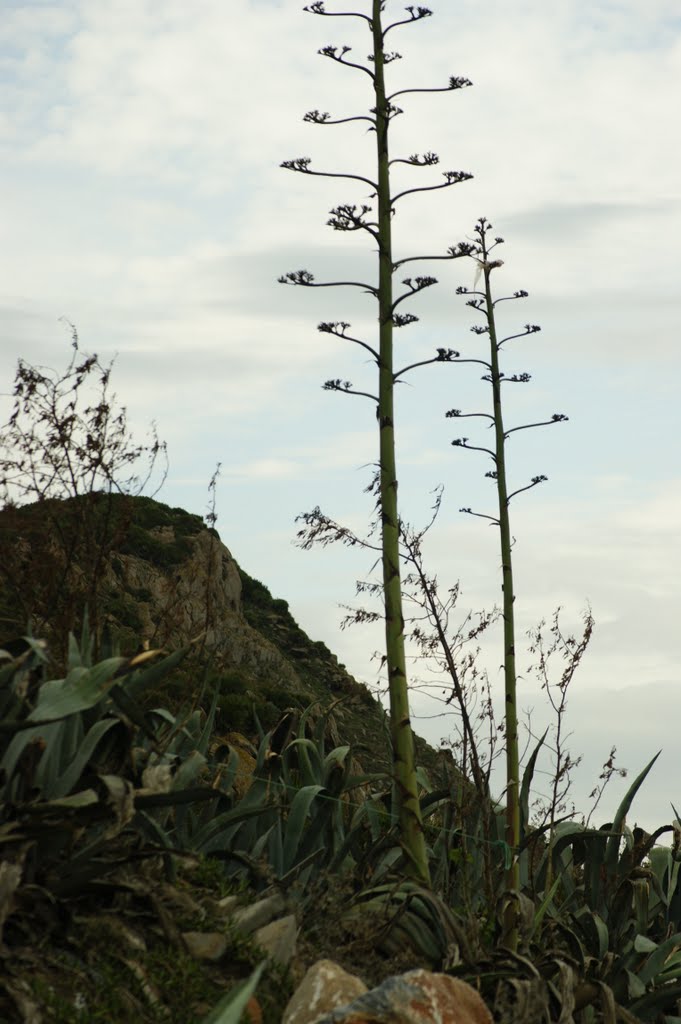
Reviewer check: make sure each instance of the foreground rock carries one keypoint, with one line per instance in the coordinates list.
(325, 987)
(417, 997)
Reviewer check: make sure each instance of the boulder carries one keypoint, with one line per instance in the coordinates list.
(205, 945)
(325, 987)
(278, 938)
(417, 997)
(248, 919)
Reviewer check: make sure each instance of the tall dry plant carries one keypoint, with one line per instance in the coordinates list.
(377, 223)
(483, 302)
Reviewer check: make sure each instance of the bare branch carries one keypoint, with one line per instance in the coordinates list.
(444, 355)
(558, 417)
(417, 14)
(345, 386)
(301, 164)
(452, 178)
(535, 480)
(316, 117)
(332, 53)
(304, 279)
(454, 83)
(338, 328)
(462, 442)
(417, 160)
(318, 8)
(479, 515)
(453, 253)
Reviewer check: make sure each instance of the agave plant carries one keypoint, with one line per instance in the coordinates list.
(298, 815)
(67, 771)
(613, 909)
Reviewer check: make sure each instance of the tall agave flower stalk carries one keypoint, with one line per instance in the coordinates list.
(348, 217)
(483, 302)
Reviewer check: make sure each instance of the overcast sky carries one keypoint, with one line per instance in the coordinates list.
(141, 197)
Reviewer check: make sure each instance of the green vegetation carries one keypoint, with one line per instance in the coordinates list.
(103, 787)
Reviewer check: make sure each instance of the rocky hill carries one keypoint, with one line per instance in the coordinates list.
(163, 579)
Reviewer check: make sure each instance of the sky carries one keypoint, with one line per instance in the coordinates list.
(142, 199)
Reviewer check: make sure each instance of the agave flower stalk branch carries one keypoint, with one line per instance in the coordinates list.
(510, 681)
(486, 305)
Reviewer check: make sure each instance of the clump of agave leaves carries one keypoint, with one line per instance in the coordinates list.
(601, 942)
(70, 770)
(90, 780)
(600, 910)
(601, 920)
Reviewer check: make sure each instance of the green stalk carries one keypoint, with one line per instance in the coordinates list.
(510, 687)
(410, 822)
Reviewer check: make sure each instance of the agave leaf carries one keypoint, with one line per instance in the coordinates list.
(309, 759)
(164, 715)
(612, 850)
(642, 944)
(145, 678)
(153, 829)
(671, 970)
(82, 689)
(212, 834)
(665, 877)
(595, 846)
(262, 735)
(528, 775)
(42, 733)
(357, 781)
(635, 987)
(421, 935)
(209, 725)
(543, 907)
(657, 961)
(295, 825)
(387, 862)
(197, 794)
(52, 761)
(659, 999)
(188, 770)
(65, 783)
(86, 798)
(74, 657)
(121, 798)
(276, 848)
(641, 902)
(261, 842)
(423, 779)
(226, 781)
(595, 930)
(336, 756)
(131, 709)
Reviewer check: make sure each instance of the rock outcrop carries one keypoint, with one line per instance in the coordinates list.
(200, 596)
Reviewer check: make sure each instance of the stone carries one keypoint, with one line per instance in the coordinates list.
(325, 987)
(278, 938)
(417, 997)
(226, 905)
(253, 1011)
(249, 919)
(205, 945)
